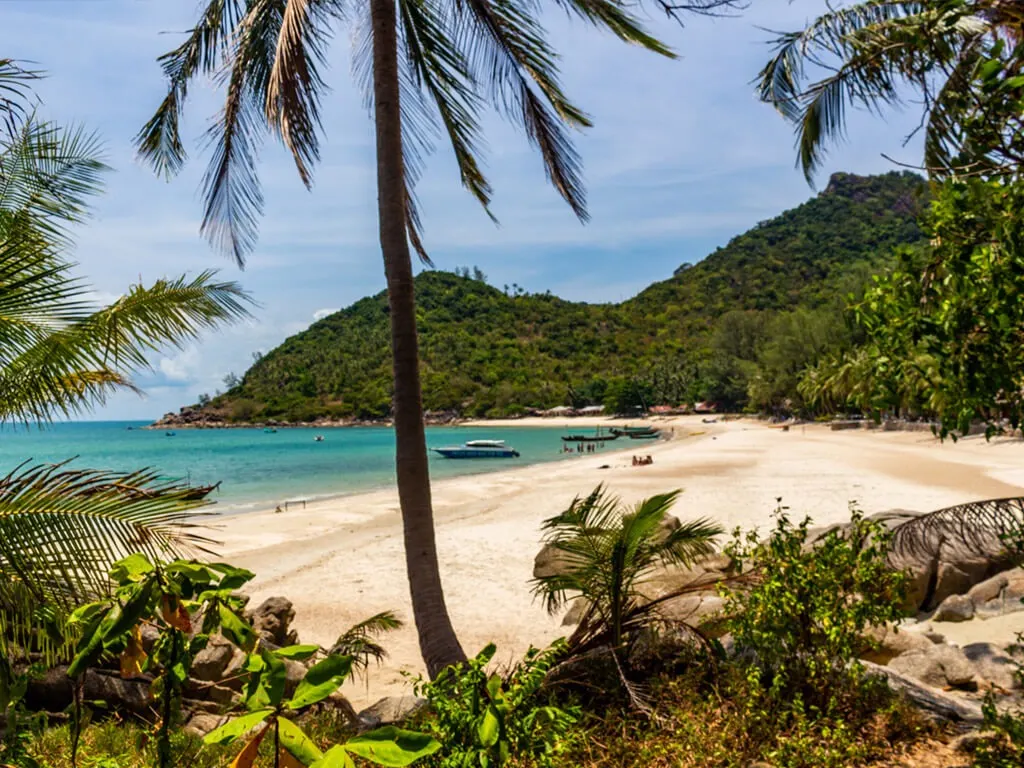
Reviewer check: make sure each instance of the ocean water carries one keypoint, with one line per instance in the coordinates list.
(259, 469)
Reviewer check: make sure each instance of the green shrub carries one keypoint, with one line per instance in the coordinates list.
(1005, 746)
(803, 619)
(483, 719)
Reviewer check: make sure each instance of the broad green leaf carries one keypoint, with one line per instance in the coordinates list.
(297, 652)
(235, 629)
(236, 728)
(489, 727)
(132, 568)
(335, 757)
(321, 681)
(233, 577)
(297, 742)
(266, 681)
(195, 572)
(128, 615)
(85, 614)
(487, 653)
(391, 746)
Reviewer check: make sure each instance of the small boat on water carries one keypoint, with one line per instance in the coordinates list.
(630, 431)
(270, 429)
(588, 438)
(170, 434)
(478, 449)
(319, 438)
(653, 435)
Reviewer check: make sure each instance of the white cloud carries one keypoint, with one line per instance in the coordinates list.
(320, 314)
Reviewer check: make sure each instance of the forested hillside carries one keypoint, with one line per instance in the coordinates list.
(736, 327)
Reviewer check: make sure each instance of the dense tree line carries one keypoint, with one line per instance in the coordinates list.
(737, 328)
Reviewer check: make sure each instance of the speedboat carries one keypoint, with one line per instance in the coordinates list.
(479, 449)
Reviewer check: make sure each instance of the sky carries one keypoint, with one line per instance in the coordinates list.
(681, 158)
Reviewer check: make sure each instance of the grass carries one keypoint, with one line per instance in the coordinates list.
(697, 724)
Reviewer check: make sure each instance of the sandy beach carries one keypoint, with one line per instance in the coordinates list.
(341, 560)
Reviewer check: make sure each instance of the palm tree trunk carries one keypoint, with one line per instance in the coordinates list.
(438, 643)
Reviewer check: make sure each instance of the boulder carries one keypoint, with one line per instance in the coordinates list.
(575, 613)
(294, 672)
(391, 710)
(999, 594)
(209, 664)
(53, 691)
(233, 676)
(222, 695)
(939, 666)
(891, 641)
(994, 665)
(934, 704)
(272, 619)
(955, 608)
(700, 610)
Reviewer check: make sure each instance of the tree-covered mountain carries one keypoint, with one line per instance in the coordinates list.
(734, 327)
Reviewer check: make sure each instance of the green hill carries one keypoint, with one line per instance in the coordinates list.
(708, 332)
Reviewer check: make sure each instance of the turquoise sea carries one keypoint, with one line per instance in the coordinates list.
(259, 469)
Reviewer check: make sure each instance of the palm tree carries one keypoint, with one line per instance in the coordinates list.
(422, 63)
(607, 552)
(61, 529)
(872, 54)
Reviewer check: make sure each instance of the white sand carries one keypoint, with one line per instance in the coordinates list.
(341, 560)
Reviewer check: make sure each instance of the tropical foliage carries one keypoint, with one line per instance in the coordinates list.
(756, 310)
(61, 528)
(943, 329)
(606, 552)
(961, 57)
(486, 719)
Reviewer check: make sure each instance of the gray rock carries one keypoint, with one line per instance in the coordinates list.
(939, 666)
(936, 705)
(272, 619)
(222, 695)
(233, 676)
(209, 664)
(955, 608)
(575, 614)
(892, 642)
(993, 664)
(202, 723)
(294, 672)
(391, 710)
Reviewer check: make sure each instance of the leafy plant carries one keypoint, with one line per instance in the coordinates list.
(166, 596)
(483, 719)
(270, 714)
(359, 643)
(607, 550)
(1004, 745)
(804, 618)
(19, 725)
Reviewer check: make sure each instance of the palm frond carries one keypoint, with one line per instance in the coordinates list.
(47, 175)
(62, 529)
(613, 16)
(15, 93)
(506, 50)
(988, 528)
(439, 68)
(359, 641)
(159, 141)
(71, 367)
(294, 86)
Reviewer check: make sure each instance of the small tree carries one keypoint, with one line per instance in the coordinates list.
(608, 551)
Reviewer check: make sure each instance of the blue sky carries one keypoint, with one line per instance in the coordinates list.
(682, 157)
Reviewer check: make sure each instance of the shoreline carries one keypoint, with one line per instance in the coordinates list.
(342, 560)
(260, 508)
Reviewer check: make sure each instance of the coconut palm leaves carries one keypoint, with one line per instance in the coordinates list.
(60, 354)
(455, 58)
(607, 551)
(873, 54)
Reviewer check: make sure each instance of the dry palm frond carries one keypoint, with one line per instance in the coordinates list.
(983, 528)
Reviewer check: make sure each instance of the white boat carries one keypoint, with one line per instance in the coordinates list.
(479, 449)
